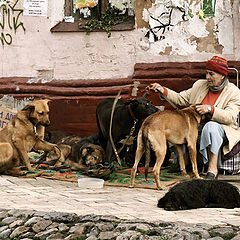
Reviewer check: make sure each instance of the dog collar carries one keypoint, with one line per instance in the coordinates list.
(131, 112)
(35, 130)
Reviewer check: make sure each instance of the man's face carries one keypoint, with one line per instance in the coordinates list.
(214, 79)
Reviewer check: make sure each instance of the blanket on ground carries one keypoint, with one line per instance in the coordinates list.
(118, 177)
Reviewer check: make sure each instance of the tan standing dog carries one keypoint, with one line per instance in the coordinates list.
(178, 127)
(24, 133)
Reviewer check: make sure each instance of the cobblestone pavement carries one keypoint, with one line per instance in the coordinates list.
(127, 203)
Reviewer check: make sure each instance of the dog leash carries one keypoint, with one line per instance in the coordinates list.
(167, 99)
(162, 96)
(135, 121)
(125, 141)
(110, 128)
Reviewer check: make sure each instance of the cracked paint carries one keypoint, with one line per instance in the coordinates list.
(175, 27)
(13, 103)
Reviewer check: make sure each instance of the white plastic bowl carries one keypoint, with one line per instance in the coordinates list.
(90, 182)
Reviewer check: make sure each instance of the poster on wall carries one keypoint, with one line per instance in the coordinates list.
(35, 8)
(6, 115)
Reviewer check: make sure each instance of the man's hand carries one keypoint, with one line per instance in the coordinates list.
(155, 87)
(202, 109)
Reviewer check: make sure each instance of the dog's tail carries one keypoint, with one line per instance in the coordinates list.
(147, 147)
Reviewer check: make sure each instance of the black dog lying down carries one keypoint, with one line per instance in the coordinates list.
(199, 194)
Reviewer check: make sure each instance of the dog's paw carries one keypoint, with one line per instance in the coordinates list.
(186, 175)
(58, 164)
(61, 158)
(23, 173)
(197, 176)
(159, 186)
(31, 169)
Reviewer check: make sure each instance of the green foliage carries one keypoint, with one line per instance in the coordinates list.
(110, 18)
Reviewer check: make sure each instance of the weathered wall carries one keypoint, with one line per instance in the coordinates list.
(166, 31)
(170, 44)
(175, 30)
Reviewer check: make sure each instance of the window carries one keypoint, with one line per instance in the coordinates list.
(83, 11)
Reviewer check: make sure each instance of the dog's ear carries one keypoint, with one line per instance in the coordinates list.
(47, 100)
(89, 149)
(29, 108)
(85, 150)
(133, 102)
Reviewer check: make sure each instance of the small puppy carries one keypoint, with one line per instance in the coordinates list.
(24, 133)
(200, 193)
(87, 156)
(79, 153)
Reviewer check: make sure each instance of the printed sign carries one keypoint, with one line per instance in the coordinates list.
(35, 7)
(6, 114)
(208, 7)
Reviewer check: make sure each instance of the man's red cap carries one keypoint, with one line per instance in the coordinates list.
(218, 64)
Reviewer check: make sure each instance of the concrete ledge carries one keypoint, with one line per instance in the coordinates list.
(74, 102)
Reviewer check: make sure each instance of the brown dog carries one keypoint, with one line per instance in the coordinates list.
(177, 127)
(80, 153)
(80, 158)
(24, 133)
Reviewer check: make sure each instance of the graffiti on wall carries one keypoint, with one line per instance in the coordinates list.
(162, 21)
(9, 20)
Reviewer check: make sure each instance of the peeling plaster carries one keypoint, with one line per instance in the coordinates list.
(43, 76)
(172, 31)
(13, 103)
(225, 39)
(67, 55)
(200, 31)
(210, 42)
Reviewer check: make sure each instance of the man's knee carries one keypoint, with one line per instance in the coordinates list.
(211, 128)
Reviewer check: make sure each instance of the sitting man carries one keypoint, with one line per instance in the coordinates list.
(220, 99)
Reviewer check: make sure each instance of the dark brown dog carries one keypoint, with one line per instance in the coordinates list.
(79, 153)
(88, 156)
(24, 133)
(178, 127)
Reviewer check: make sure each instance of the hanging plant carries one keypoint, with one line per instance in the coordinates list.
(110, 18)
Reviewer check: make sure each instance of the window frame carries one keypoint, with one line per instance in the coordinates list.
(78, 25)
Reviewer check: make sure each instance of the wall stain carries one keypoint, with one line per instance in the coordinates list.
(209, 43)
(139, 7)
